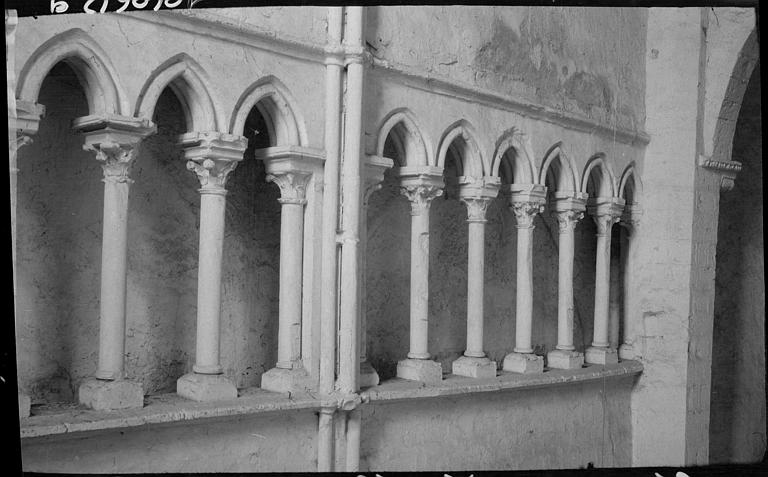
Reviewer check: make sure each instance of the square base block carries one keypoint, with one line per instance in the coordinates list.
(524, 363)
(368, 376)
(107, 395)
(627, 351)
(25, 403)
(474, 367)
(601, 356)
(561, 359)
(205, 387)
(282, 380)
(423, 370)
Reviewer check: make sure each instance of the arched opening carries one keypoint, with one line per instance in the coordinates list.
(388, 261)
(60, 196)
(163, 220)
(251, 262)
(448, 237)
(737, 406)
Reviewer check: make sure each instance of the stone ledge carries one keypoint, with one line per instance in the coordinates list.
(68, 419)
(453, 385)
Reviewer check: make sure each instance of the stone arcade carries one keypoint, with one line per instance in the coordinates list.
(382, 238)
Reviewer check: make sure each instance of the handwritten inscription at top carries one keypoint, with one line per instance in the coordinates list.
(102, 6)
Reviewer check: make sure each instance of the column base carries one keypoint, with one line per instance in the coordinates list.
(595, 355)
(423, 370)
(627, 351)
(525, 363)
(282, 380)
(368, 376)
(25, 403)
(110, 395)
(474, 367)
(205, 387)
(562, 359)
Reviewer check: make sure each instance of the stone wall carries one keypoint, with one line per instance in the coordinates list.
(737, 427)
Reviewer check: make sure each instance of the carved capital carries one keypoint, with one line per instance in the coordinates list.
(525, 212)
(476, 208)
(23, 139)
(567, 219)
(116, 160)
(420, 196)
(293, 186)
(212, 174)
(604, 223)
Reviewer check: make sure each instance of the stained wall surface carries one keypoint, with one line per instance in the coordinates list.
(737, 426)
(561, 427)
(552, 56)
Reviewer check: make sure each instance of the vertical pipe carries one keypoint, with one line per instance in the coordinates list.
(349, 362)
(353, 440)
(212, 205)
(325, 440)
(328, 302)
(113, 276)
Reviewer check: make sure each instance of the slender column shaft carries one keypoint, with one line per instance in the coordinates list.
(212, 206)
(626, 252)
(614, 307)
(419, 298)
(113, 278)
(565, 309)
(602, 279)
(289, 334)
(353, 440)
(421, 197)
(325, 440)
(524, 214)
(476, 210)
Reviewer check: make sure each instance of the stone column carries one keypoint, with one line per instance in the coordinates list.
(630, 220)
(568, 210)
(420, 185)
(23, 121)
(525, 203)
(290, 169)
(373, 176)
(115, 142)
(615, 292)
(211, 156)
(477, 194)
(605, 213)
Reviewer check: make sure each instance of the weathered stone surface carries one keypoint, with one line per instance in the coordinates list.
(107, 395)
(424, 370)
(601, 356)
(25, 402)
(205, 387)
(474, 367)
(524, 363)
(281, 380)
(560, 359)
(368, 376)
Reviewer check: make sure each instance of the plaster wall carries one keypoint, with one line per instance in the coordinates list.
(284, 442)
(561, 427)
(737, 427)
(548, 55)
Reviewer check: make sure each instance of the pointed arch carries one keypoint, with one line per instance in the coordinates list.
(407, 138)
(277, 106)
(468, 153)
(561, 166)
(599, 170)
(188, 81)
(514, 157)
(90, 63)
(630, 187)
